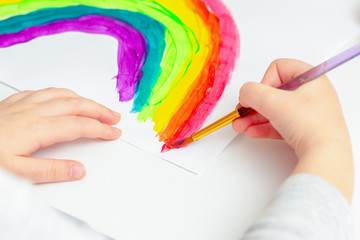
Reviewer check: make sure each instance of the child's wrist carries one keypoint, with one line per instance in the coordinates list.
(332, 162)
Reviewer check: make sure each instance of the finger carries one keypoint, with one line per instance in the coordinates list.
(50, 93)
(264, 130)
(283, 70)
(262, 98)
(78, 106)
(241, 124)
(69, 128)
(17, 96)
(42, 170)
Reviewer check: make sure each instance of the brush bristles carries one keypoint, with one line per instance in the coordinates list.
(177, 144)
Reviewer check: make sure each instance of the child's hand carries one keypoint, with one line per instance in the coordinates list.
(36, 119)
(309, 119)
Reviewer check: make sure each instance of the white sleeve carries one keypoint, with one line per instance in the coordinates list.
(23, 216)
(306, 207)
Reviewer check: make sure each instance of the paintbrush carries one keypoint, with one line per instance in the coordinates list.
(290, 85)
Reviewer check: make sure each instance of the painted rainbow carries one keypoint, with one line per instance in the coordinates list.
(175, 58)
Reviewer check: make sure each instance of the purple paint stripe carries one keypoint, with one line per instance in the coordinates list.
(131, 52)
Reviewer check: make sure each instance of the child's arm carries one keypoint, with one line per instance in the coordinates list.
(32, 120)
(309, 119)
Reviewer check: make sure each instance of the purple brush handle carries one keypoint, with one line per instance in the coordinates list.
(321, 69)
(314, 73)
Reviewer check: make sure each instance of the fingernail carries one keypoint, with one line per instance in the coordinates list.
(77, 172)
(117, 132)
(116, 114)
(236, 125)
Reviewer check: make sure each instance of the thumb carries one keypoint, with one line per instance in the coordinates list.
(262, 98)
(43, 170)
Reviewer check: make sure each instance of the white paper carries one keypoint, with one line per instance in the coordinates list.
(87, 64)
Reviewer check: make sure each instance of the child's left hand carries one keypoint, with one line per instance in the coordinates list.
(32, 120)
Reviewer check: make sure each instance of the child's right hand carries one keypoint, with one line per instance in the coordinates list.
(32, 120)
(309, 119)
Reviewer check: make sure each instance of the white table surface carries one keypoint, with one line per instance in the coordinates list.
(162, 200)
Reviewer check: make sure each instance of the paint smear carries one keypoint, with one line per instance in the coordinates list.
(175, 58)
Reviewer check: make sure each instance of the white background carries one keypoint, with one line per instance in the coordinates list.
(135, 195)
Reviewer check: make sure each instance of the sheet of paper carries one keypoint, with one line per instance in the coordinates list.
(87, 64)
(45, 62)
(190, 60)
